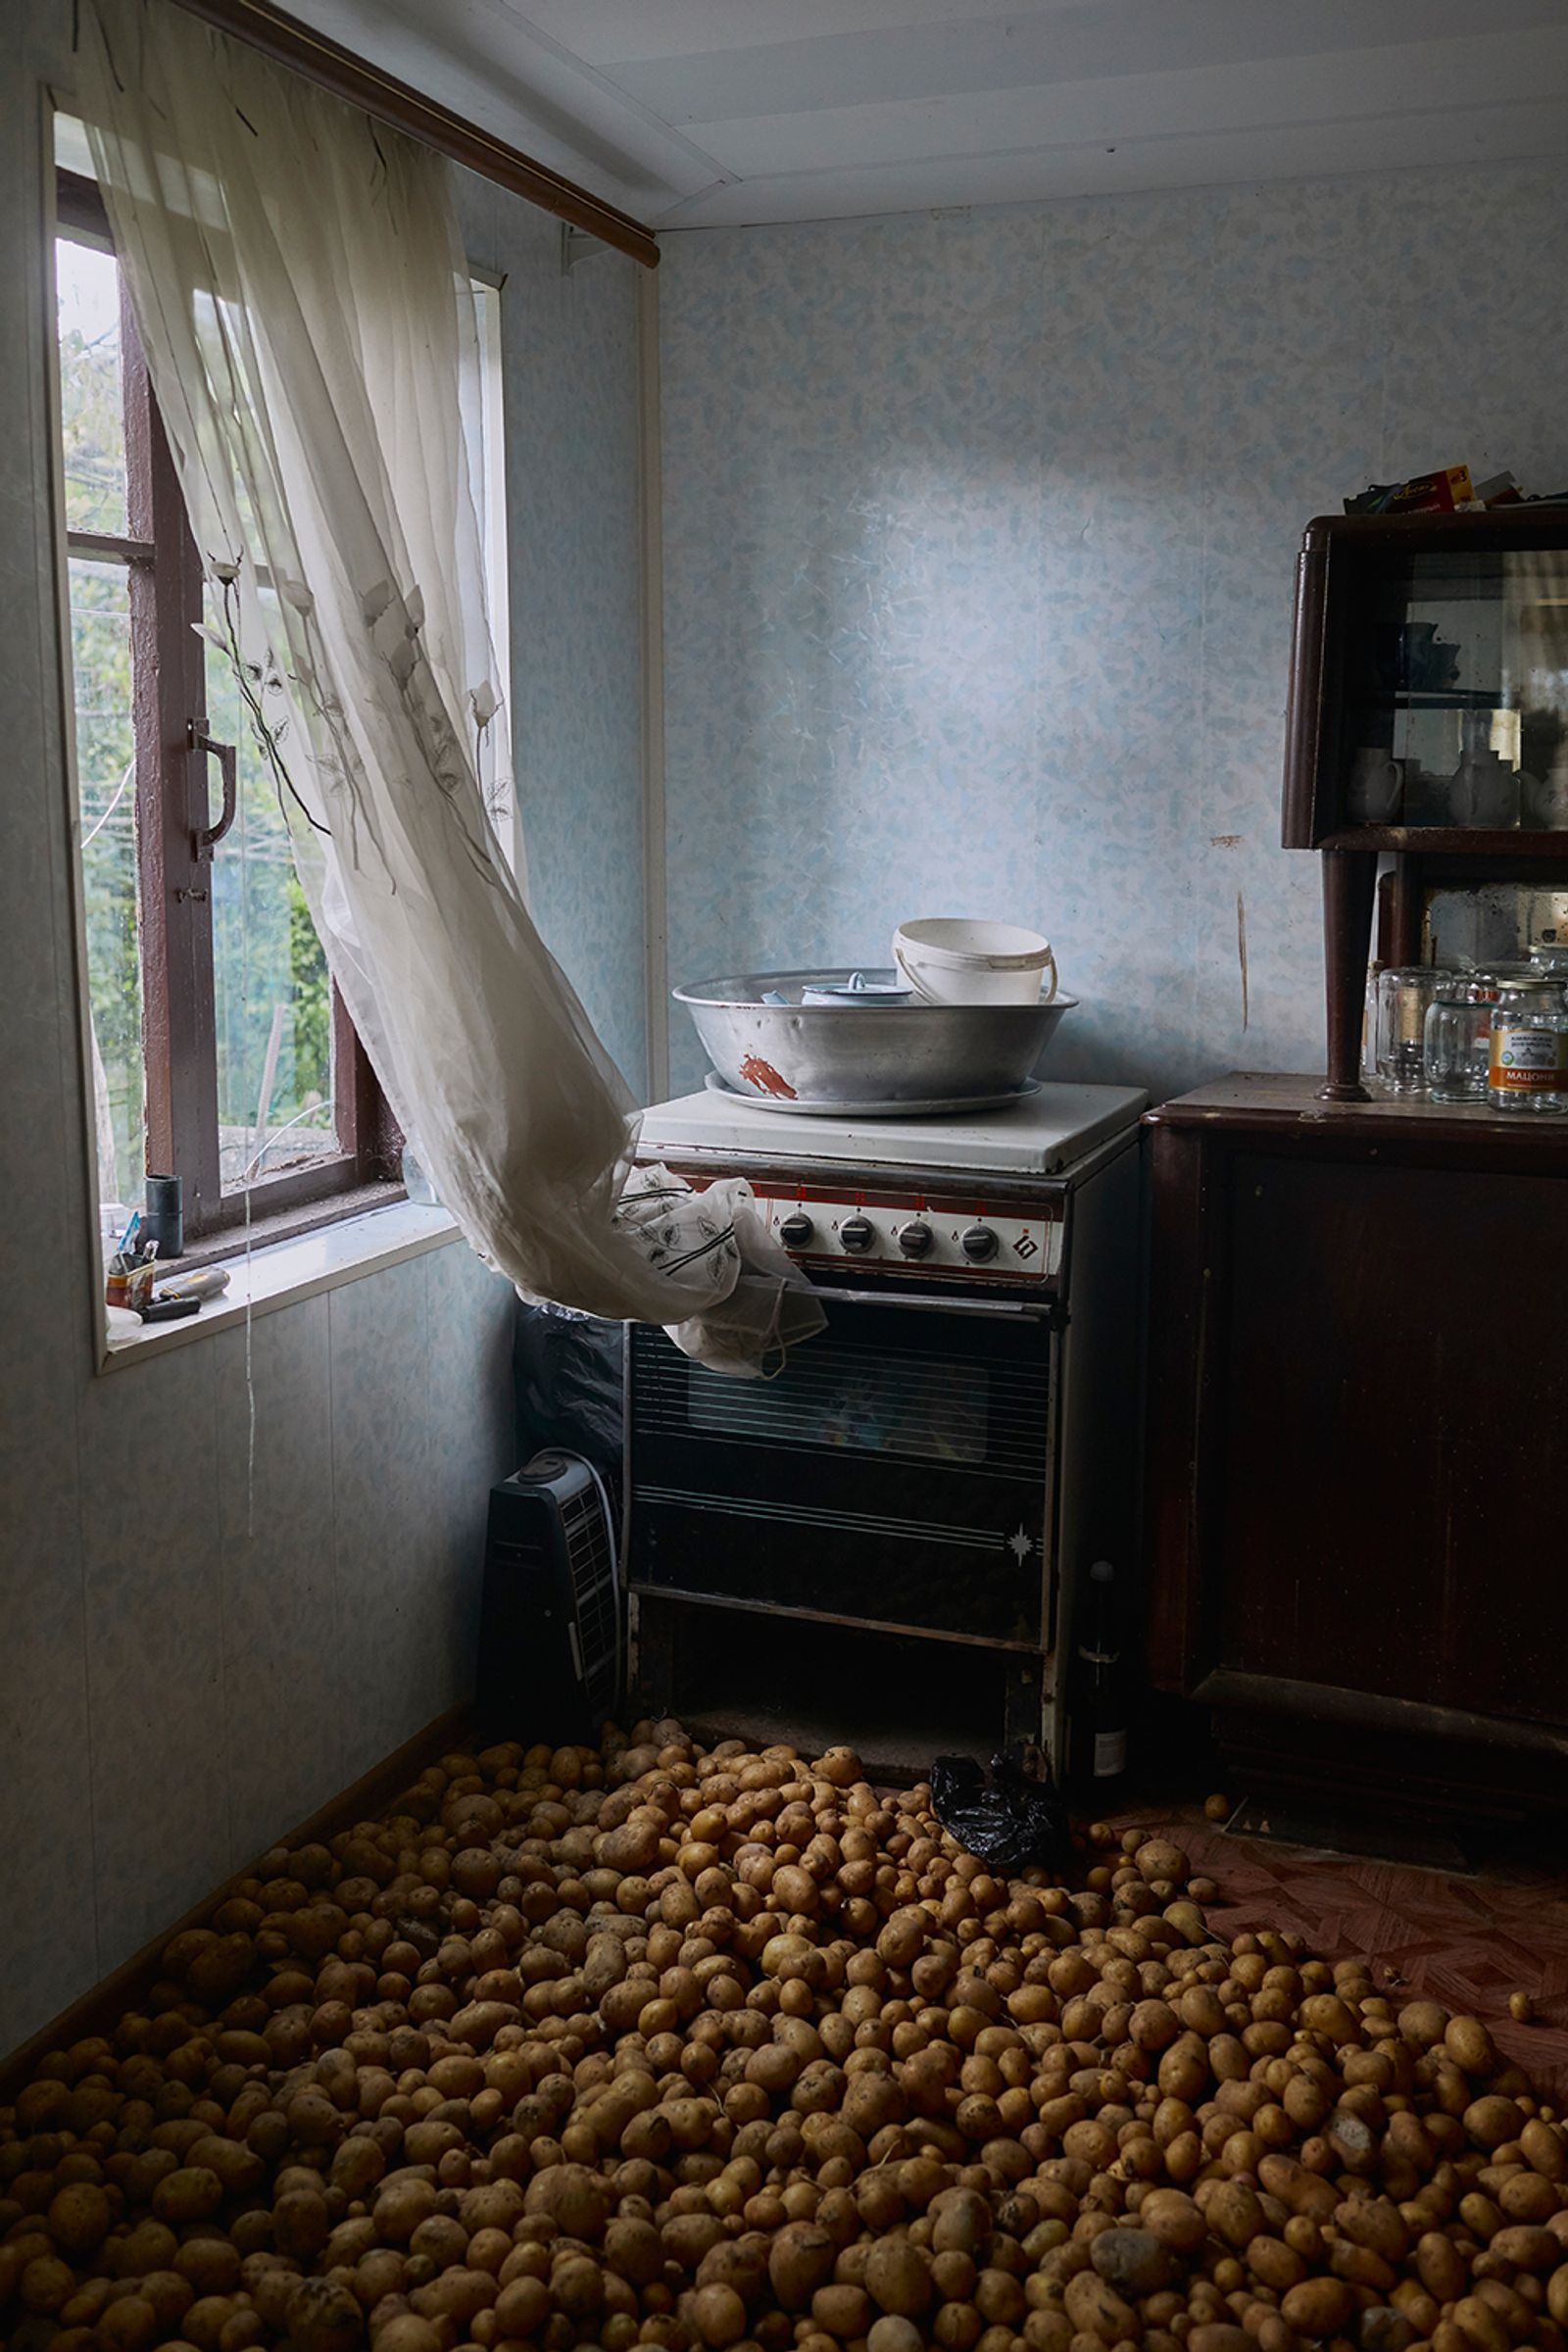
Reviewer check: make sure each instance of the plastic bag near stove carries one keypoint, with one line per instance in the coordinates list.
(1006, 1818)
(569, 1372)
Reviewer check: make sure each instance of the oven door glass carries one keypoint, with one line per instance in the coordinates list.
(896, 1472)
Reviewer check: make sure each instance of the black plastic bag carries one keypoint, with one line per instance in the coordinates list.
(1009, 1820)
(569, 1379)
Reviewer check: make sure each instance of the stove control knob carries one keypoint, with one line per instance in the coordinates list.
(857, 1234)
(796, 1229)
(915, 1240)
(978, 1243)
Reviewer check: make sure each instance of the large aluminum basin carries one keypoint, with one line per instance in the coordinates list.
(846, 1055)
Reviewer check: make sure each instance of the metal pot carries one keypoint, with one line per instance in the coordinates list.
(846, 1057)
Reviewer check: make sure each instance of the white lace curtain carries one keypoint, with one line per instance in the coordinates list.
(302, 296)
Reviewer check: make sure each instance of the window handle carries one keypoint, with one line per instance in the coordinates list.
(205, 838)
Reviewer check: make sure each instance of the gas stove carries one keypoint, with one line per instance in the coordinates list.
(974, 1198)
(914, 1498)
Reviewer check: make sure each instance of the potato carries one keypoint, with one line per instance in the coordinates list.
(1213, 2335)
(301, 2225)
(657, 2045)
(718, 2316)
(212, 2266)
(1234, 2213)
(1318, 2307)
(325, 2317)
(406, 2332)
(401, 2205)
(1545, 2149)
(800, 2261)
(891, 2334)
(457, 2296)
(1094, 2308)
(1172, 2218)
(897, 2276)
(960, 2221)
(190, 2193)
(842, 2312)
(130, 2323)
(1470, 2046)
(574, 2197)
(1526, 2249)
(1491, 2121)
(1274, 2264)
(78, 2217)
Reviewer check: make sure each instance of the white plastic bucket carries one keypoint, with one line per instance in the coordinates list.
(950, 960)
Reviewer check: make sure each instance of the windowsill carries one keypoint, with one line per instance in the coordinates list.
(281, 1273)
(227, 1248)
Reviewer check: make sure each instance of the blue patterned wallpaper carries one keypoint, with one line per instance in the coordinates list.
(980, 530)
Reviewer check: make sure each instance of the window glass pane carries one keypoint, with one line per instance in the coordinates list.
(73, 147)
(100, 657)
(271, 994)
(91, 397)
(487, 480)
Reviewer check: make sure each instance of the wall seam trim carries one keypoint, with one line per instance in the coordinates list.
(335, 1549)
(656, 904)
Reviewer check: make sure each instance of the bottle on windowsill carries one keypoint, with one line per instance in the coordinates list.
(1098, 1720)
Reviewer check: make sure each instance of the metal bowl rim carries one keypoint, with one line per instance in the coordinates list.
(700, 992)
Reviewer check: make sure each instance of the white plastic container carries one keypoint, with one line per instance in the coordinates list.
(950, 960)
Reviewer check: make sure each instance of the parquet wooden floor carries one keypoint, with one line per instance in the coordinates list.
(1466, 1941)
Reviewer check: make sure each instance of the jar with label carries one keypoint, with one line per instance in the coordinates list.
(1528, 1064)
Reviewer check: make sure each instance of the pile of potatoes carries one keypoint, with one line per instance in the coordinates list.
(658, 2046)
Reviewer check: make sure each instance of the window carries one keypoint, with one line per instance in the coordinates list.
(221, 1053)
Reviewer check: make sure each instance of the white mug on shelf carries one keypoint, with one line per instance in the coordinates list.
(1543, 800)
(1483, 791)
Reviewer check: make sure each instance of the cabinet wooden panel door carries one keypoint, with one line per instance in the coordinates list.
(1358, 1435)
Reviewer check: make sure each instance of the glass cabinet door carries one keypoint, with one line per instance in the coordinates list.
(1452, 701)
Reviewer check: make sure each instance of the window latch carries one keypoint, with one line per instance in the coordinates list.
(205, 838)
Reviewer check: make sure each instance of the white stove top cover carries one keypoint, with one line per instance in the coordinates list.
(1038, 1136)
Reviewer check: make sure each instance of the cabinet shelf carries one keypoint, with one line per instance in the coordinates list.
(1452, 841)
(1432, 697)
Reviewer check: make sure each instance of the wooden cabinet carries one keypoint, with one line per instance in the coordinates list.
(1358, 1442)
(1428, 723)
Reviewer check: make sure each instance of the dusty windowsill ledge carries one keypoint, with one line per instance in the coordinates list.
(284, 1272)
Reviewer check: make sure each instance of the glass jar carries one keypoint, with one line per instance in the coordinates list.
(1404, 992)
(1528, 1061)
(1457, 1037)
(1549, 958)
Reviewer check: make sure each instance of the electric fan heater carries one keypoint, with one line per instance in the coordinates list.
(550, 1639)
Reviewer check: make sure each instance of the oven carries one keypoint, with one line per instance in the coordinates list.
(882, 1537)
(896, 1474)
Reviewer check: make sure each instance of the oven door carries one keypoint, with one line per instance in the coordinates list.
(898, 1471)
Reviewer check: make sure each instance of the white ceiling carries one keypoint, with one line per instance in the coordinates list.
(697, 113)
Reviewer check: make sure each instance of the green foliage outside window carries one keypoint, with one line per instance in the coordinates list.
(272, 999)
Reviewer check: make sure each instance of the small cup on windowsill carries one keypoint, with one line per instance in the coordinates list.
(164, 1220)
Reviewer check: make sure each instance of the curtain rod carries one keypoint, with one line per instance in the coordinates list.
(336, 69)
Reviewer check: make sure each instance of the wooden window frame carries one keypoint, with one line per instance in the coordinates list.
(179, 1039)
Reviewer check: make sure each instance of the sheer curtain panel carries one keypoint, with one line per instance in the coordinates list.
(302, 295)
